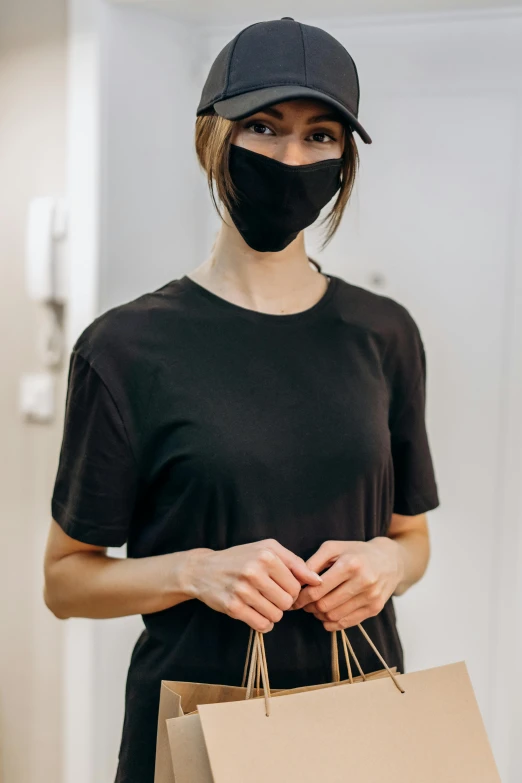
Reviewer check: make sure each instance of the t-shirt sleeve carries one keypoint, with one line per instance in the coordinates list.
(96, 482)
(415, 484)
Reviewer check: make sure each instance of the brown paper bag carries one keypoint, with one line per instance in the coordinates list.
(433, 732)
(176, 700)
(424, 726)
(181, 755)
(405, 728)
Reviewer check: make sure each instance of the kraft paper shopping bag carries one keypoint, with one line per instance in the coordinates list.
(176, 700)
(419, 727)
(181, 755)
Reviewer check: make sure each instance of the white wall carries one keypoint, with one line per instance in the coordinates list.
(32, 163)
(435, 214)
(150, 194)
(150, 215)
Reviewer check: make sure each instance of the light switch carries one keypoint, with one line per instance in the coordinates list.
(37, 396)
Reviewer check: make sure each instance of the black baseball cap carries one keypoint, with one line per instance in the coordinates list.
(274, 61)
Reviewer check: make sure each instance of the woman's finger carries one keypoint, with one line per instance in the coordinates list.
(342, 610)
(252, 608)
(320, 615)
(350, 620)
(337, 574)
(252, 618)
(346, 608)
(278, 572)
(341, 595)
(325, 555)
(275, 593)
(296, 564)
(251, 596)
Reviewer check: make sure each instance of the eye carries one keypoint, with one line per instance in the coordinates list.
(323, 133)
(257, 124)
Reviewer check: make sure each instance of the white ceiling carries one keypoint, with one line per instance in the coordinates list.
(223, 11)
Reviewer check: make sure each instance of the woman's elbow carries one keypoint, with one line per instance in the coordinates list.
(62, 570)
(51, 599)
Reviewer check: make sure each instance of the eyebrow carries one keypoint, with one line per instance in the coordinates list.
(318, 118)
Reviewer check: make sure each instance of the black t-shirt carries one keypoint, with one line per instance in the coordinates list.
(195, 422)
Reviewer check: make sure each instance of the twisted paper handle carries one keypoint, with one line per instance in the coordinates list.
(258, 665)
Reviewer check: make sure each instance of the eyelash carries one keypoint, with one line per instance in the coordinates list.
(264, 125)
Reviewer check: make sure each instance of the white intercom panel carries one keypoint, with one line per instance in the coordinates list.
(45, 257)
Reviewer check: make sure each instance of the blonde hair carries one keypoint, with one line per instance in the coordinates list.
(212, 139)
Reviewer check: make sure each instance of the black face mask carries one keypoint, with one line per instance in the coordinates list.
(276, 200)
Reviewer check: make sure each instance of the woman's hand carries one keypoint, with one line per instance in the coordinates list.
(361, 577)
(254, 582)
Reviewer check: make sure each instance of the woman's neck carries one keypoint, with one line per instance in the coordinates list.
(278, 283)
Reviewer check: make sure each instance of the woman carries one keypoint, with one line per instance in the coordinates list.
(254, 431)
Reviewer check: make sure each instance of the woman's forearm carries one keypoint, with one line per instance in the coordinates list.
(412, 550)
(414, 554)
(94, 585)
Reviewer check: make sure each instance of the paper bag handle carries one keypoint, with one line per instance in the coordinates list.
(336, 677)
(256, 653)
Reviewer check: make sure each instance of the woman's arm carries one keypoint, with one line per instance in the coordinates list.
(410, 536)
(81, 580)
(253, 582)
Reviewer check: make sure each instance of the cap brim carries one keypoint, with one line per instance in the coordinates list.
(240, 106)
